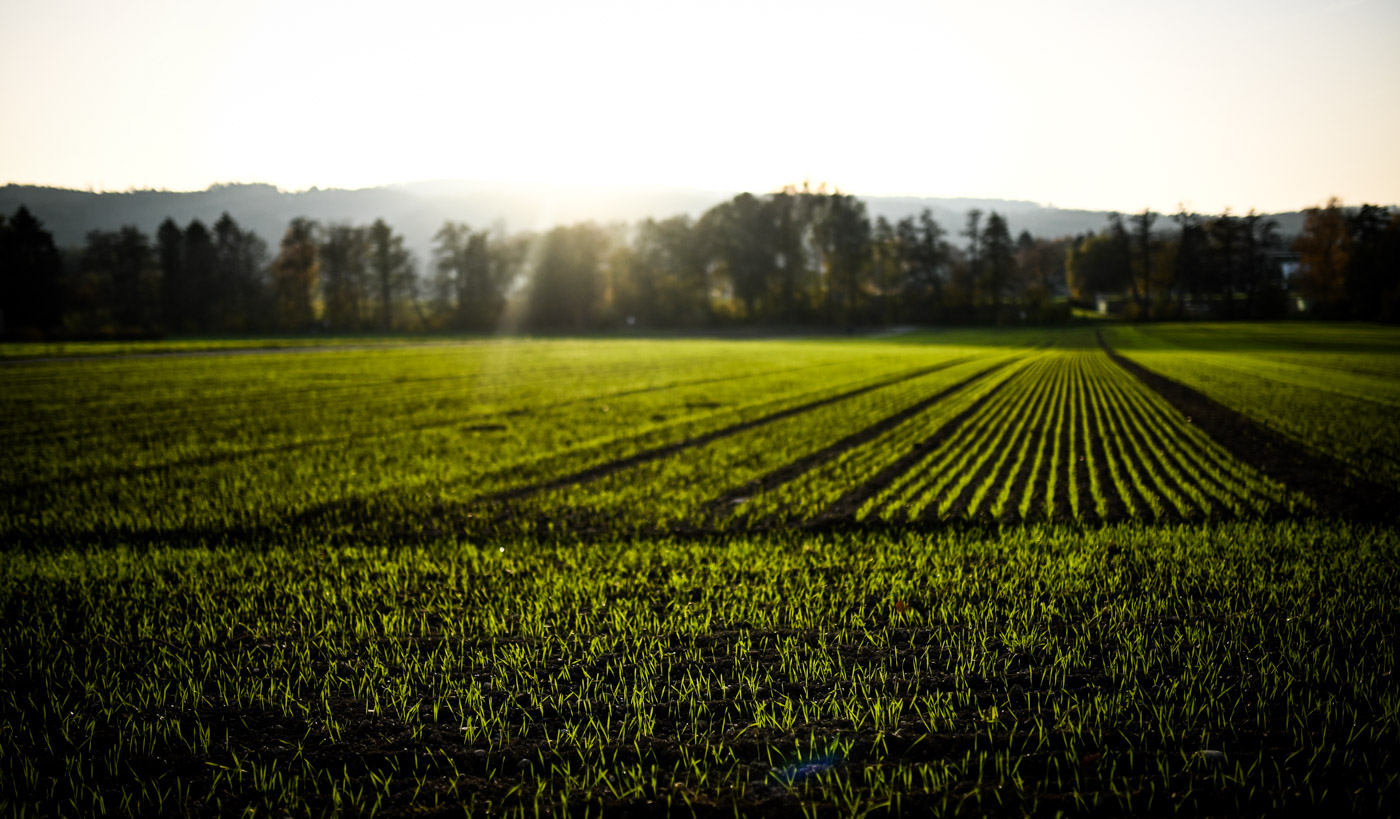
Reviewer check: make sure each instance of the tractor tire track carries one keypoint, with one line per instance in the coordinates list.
(807, 463)
(1326, 480)
(1033, 478)
(1164, 457)
(471, 422)
(996, 466)
(609, 467)
(845, 507)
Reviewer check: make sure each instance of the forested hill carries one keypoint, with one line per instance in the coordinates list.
(418, 210)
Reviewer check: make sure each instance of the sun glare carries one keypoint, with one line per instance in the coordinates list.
(929, 99)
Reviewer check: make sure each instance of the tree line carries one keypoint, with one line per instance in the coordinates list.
(1345, 264)
(792, 257)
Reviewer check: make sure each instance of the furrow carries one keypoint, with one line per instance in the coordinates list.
(1011, 479)
(1324, 479)
(807, 463)
(992, 456)
(1106, 504)
(600, 470)
(1164, 445)
(1032, 485)
(1126, 474)
(848, 504)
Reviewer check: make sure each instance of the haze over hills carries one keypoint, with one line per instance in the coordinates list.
(418, 209)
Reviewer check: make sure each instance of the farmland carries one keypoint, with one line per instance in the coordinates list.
(1119, 570)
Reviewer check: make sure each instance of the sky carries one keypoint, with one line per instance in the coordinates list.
(1275, 105)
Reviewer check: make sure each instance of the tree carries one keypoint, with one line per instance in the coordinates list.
(1224, 234)
(998, 262)
(1369, 274)
(471, 280)
(842, 232)
(120, 263)
(1041, 263)
(741, 241)
(391, 272)
(968, 278)
(1190, 265)
(344, 276)
(1263, 291)
(661, 279)
(925, 256)
(685, 297)
(785, 226)
(1025, 242)
(1122, 257)
(236, 294)
(1324, 251)
(31, 271)
(1142, 269)
(567, 288)
(887, 267)
(1094, 265)
(294, 277)
(449, 266)
(1390, 260)
(174, 283)
(199, 267)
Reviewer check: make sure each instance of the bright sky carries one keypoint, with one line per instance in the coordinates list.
(1121, 104)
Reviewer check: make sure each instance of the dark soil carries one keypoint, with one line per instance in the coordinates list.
(603, 469)
(846, 506)
(1335, 489)
(807, 463)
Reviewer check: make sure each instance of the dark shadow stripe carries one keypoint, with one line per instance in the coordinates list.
(1321, 477)
(1029, 483)
(471, 422)
(600, 470)
(807, 463)
(1161, 453)
(848, 504)
(995, 469)
(1114, 507)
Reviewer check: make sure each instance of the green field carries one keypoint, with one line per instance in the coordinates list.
(1123, 570)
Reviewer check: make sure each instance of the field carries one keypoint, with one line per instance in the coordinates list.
(1127, 570)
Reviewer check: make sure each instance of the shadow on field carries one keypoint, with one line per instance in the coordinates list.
(600, 470)
(1269, 337)
(481, 422)
(356, 512)
(796, 469)
(1337, 491)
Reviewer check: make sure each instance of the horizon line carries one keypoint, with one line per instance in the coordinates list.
(635, 188)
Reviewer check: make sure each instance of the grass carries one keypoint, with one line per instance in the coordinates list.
(973, 573)
(1334, 388)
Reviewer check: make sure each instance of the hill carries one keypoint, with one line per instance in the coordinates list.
(417, 210)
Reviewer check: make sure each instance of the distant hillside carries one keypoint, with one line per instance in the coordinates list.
(417, 210)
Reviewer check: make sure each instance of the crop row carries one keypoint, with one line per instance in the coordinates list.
(158, 413)
(1076, 437)
(696, 487)
(181, 445)
(1331, 389)
(606, 435)
(1062, 434)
